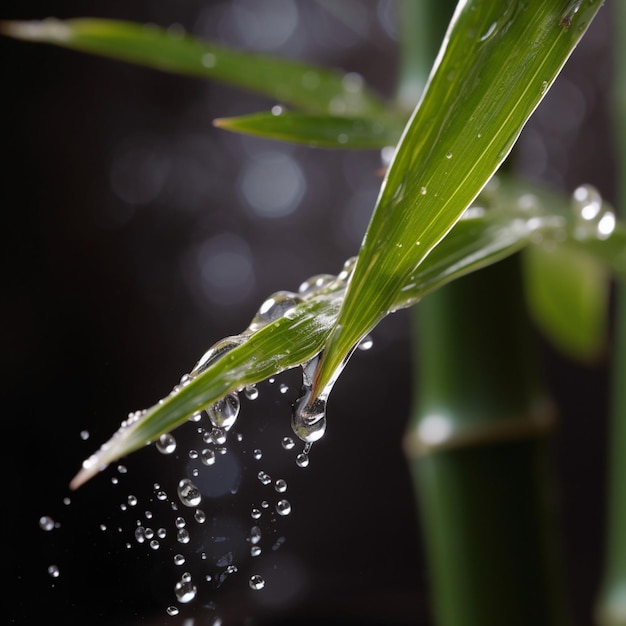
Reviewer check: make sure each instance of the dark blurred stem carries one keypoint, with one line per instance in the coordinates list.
(478, 441)
(611, 605)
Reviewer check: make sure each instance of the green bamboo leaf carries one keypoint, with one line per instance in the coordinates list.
(304, 321)
(568, 296)
(307, 86)
(496, 64)
(317, 130)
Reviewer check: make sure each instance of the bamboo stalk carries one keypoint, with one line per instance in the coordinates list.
(611, 604)
(478, 440)
(479, 451)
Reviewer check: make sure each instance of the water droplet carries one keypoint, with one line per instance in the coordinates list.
(593, 219)
(208, 59)
(46, 522)
(315, 284)
(366, 343)
(423, 191)
(251, 392)
(283, 507)
(207, 456)
(448, 155)
(544, 87)
(302, 460)
(280, 485)
(53, 570)
(255, 513)
(166, 444)
(276, 306)
(183, 536)
(216, 351)
(188, 493)
(264, 477)
(200, 516)
(255, 535)
(84, 435)
(257, 454)
(490, 31)
(184, 589)
(179, 559)
(288, 443)
(256, 582)
(255, 550)
(279, 542)
(224, 412)
(140, 534)
(172, 611)
(277, 110)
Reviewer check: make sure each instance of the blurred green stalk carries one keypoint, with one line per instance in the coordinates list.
(611, 605)
(478, 440)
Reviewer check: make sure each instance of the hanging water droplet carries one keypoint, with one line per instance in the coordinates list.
(275, 307)
(283, 507)
(366, 343)
(46, 522)
(188, 493)
(251, 392)
(184, 589)
(223, 414)
(166, 444)
(308, 419)
(256, 582)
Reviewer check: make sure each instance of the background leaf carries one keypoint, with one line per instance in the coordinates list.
(309, 87)
(324, 131)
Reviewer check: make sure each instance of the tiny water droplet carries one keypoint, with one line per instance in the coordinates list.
(256, 582)
(207, 456)
(54, 571)
(288, 443)
(251, 392)
(179, 559)
(448, 155)
(172, 611)
(255, 550)
(280, 485)
(264, 477)
(423, 191)
(46, 522)
(257, 454)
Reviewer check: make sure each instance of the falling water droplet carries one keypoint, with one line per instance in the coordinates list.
(283, 507)
(288, 443)
(184, 589)
(54, 571)
(256, 582)
(302, 460)
(166, 444)
(280, 485)
(188, 493)
(223, 414)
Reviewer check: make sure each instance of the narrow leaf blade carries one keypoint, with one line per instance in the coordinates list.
(299, 84)
(316, 130)
(467, 122)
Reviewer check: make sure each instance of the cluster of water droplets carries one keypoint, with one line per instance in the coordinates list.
(593, 218)
(216, 435)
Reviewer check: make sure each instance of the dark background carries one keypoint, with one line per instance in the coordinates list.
(130, 246)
